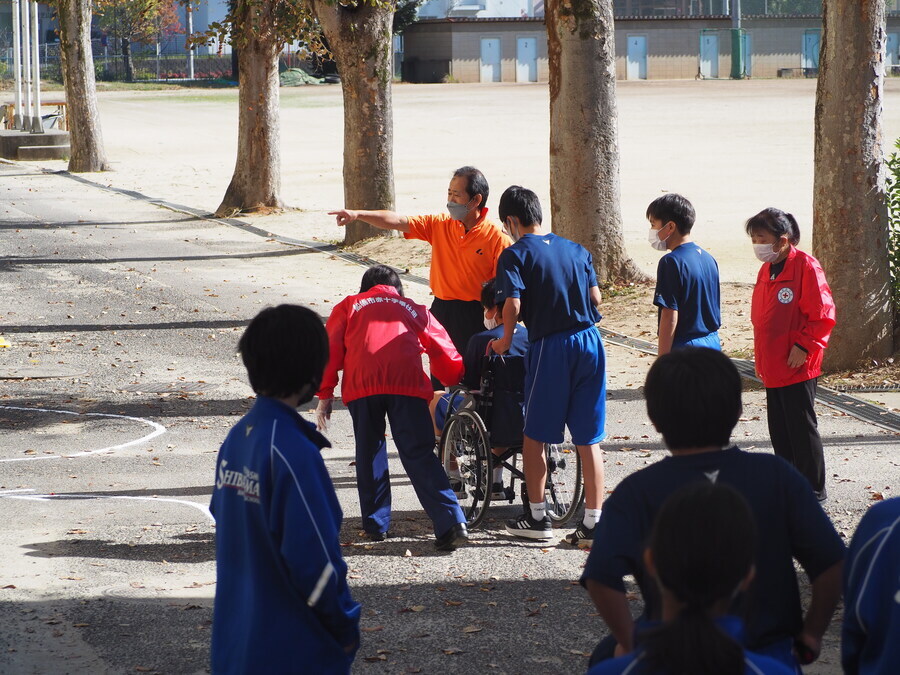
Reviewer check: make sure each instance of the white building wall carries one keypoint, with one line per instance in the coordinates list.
(442, 9)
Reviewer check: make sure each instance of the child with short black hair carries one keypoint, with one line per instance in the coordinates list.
(694, 400)
(687, 279)
(793, 314)
(551, 281)
(278, 518)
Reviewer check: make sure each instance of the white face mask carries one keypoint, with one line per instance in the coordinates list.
(655, 241)
(491, 324)
(764, 253)
(515, 236)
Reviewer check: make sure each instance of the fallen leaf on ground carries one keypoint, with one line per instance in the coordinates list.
(472, 629)
(371, 629)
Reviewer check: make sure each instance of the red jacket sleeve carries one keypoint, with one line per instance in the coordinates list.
(817, 306)
(336, 328)
(446, 363)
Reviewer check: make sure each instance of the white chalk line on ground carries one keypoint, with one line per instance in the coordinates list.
(17, 494)
(158, 429)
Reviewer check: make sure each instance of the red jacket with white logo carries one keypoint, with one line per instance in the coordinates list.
(377, 338)
(794, 308)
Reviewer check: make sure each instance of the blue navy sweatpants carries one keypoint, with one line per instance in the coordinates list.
(414, 436)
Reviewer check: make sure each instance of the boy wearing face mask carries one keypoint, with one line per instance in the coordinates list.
(465, 246)
(687, 279)
(281, 582)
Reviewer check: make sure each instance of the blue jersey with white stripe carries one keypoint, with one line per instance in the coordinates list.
(282, 602)
(869, 643)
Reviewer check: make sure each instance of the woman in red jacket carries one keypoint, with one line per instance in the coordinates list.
(377, 338)
(792, 315)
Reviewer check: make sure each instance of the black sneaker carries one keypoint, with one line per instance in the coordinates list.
(527, 527)
(376, 536)
(582, 537)
(498, 491)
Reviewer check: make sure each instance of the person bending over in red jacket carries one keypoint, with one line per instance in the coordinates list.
(792, 314)
(377, 338)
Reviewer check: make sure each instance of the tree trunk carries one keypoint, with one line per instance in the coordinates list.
(360, 39)
(584, 151)
(85, 140)
(129, 62)
(849, 203)
(256, 182)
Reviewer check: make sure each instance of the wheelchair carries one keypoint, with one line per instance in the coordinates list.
(465, 445)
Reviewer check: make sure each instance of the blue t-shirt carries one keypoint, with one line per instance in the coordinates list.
(869, 643)
(632, 664)
(687, 280)
(552, 277)
(281, 582)
(791, 522)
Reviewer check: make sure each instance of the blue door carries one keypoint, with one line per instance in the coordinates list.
(637, 58)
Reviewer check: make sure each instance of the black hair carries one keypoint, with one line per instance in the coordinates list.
(703, 545)
(673, 207)
(521, 203)
(489, 295)
(693, 397)
(285, 350)
(380, 275)
(776, 222)
(476, 183)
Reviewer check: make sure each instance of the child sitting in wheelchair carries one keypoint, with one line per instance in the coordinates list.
(498, 380)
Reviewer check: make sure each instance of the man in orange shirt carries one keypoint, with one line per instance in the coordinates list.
(465, 247)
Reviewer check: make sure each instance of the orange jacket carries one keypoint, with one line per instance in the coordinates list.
(377, 339)
(794, 308)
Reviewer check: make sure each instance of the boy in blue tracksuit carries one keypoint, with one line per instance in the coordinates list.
(551, 281)
(869, 644)
(687, 279)
(282, 602)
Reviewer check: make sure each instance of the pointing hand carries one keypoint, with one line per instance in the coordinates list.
(343, 216)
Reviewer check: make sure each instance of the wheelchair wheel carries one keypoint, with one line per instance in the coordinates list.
(465, 443)
(565, 490)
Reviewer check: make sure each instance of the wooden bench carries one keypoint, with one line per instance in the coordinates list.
(60, 114)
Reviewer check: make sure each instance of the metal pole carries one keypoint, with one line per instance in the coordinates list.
(27, 110)
(190, 30)
(17, 62)
(737, 51)
(37, 126)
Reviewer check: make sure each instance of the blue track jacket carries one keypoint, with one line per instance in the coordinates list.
(870, 640)
(282, 602)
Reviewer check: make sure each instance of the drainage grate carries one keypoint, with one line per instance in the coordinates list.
(862, 410)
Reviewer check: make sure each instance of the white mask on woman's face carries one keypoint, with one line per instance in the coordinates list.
(491, 324)
(764, 253)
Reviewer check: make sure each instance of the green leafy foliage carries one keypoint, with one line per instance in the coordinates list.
(142, 21)
(893, 198)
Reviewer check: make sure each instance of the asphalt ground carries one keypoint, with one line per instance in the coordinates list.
(128, 314)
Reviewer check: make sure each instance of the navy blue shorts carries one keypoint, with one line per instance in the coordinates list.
(565, 385)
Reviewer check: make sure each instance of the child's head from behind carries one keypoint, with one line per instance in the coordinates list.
(776, 223)
(672, 208)
(380, 275)
(693, 398)
(701, 553)
(285, 350)
(703, 544)
(522, 204)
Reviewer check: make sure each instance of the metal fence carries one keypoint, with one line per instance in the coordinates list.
(148, 64)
